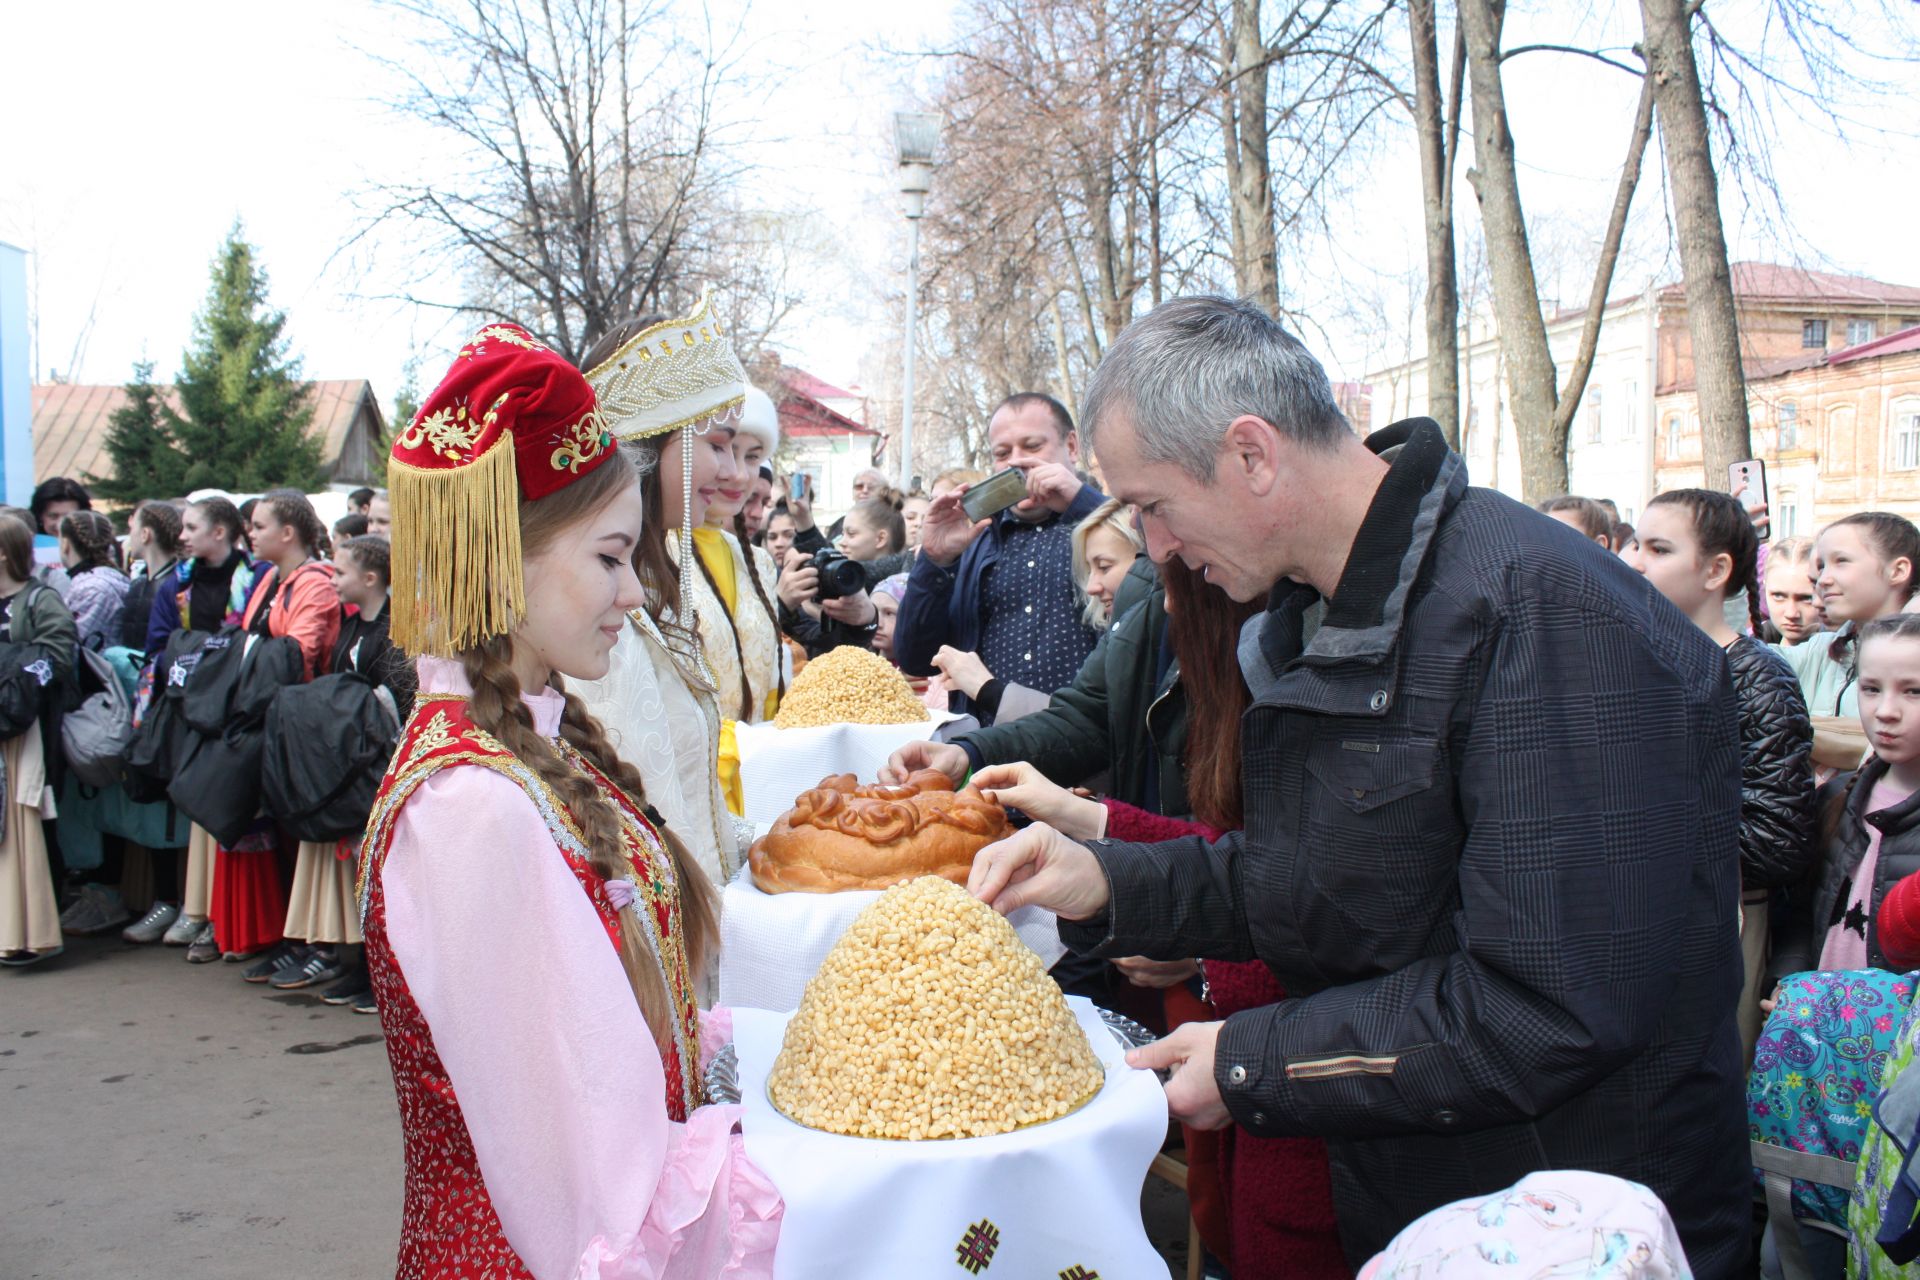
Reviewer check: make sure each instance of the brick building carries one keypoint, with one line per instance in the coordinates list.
(1643, 375)
(1839, 431)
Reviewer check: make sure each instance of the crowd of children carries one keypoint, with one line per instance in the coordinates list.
(221, 584)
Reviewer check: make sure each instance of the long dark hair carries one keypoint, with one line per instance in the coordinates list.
(747, 547)
(1722, 525)
(1204, 623)
(498, 708)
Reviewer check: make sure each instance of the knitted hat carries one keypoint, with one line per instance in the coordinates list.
(511, 421)
(759, 419)
(895, 586)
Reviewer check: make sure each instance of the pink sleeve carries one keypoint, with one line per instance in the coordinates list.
(558, 1079)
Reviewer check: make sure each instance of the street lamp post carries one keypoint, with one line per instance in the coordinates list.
(915, 134)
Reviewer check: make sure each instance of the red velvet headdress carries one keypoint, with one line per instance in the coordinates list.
(511, 421)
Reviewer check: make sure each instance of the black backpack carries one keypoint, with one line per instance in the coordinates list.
(327, 747)
(163, 740)
(26, 675)
(218, 785)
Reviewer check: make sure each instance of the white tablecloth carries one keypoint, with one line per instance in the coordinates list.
(772, 943)
(1038, 1203)
(778, 764)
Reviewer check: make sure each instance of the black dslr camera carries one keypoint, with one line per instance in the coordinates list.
(839, 576)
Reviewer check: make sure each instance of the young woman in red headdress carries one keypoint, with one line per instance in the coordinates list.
(533, 938)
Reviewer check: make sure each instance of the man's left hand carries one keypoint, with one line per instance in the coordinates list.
(1053, 485)
(1192, 1096)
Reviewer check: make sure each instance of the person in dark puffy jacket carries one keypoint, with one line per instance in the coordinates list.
(1698, 548)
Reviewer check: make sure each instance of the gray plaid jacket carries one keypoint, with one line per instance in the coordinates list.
(1491, 852)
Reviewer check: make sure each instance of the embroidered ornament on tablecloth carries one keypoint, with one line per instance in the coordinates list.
(1078, 1272)
(976, 1248)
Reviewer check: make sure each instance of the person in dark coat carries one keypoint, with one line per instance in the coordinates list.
(1002, 588)
(1492, 791)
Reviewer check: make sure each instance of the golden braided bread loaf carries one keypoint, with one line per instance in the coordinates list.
(842, 836)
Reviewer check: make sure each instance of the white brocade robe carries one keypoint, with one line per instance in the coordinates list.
(664, 722)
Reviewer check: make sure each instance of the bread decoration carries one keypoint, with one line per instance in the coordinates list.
(931, 1019)
(842, 835)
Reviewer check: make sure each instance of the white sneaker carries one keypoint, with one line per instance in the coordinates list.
(184, 930)
(152, 925)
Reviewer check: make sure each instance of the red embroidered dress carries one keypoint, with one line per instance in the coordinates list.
(450, 1225)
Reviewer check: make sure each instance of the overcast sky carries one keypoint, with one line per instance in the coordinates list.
(136, 133)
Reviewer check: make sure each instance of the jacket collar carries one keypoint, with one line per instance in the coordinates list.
(1362, 621)
(1890, 820)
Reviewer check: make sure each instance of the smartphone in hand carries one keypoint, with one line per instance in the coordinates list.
(1749, 480)
(994, 494)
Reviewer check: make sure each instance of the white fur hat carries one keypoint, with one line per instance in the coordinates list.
(759, 419)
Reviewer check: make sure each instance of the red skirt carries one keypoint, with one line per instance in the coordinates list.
(249, 901)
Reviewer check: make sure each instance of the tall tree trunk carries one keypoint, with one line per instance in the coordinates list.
(1436, 183)
(1256, 253)
(1711, 318)
(1531, 378)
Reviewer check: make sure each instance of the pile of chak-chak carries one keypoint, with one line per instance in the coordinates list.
(931, 1019)
(848, 685)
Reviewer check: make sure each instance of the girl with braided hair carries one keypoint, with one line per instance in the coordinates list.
(1698, 549)
(534, 935)
(672, 393)
(97, 587)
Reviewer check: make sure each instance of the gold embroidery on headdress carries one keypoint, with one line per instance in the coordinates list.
(672, 374)
(581, 443)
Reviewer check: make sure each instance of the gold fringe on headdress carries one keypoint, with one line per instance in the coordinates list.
(457, 532)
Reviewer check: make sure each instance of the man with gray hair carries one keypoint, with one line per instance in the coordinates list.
(1491, 780)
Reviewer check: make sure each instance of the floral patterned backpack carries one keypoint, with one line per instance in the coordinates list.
(1883, 1188)
(1816, 1074)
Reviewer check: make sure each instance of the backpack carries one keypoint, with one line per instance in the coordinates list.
(1816, 1071)
(26, 674)
(163, 740)
(218, 784)
(96, 734)
(327, 746)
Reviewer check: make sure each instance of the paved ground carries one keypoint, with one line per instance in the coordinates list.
(161, 1118)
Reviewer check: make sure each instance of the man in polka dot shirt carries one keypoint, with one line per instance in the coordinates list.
(1003, 587)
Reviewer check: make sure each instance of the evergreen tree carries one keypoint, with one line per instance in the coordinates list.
(406, 405)
(145, 462)
(244, 411)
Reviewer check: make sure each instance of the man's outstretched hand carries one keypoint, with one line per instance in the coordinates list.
(1193, 1096)
(1039, 867)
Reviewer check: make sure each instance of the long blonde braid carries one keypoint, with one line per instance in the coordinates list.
(496, 707)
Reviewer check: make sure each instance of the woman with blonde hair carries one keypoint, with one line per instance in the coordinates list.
(537, 986)
(1105, 546)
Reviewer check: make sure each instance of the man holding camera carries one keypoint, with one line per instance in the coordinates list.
(1002, 586)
